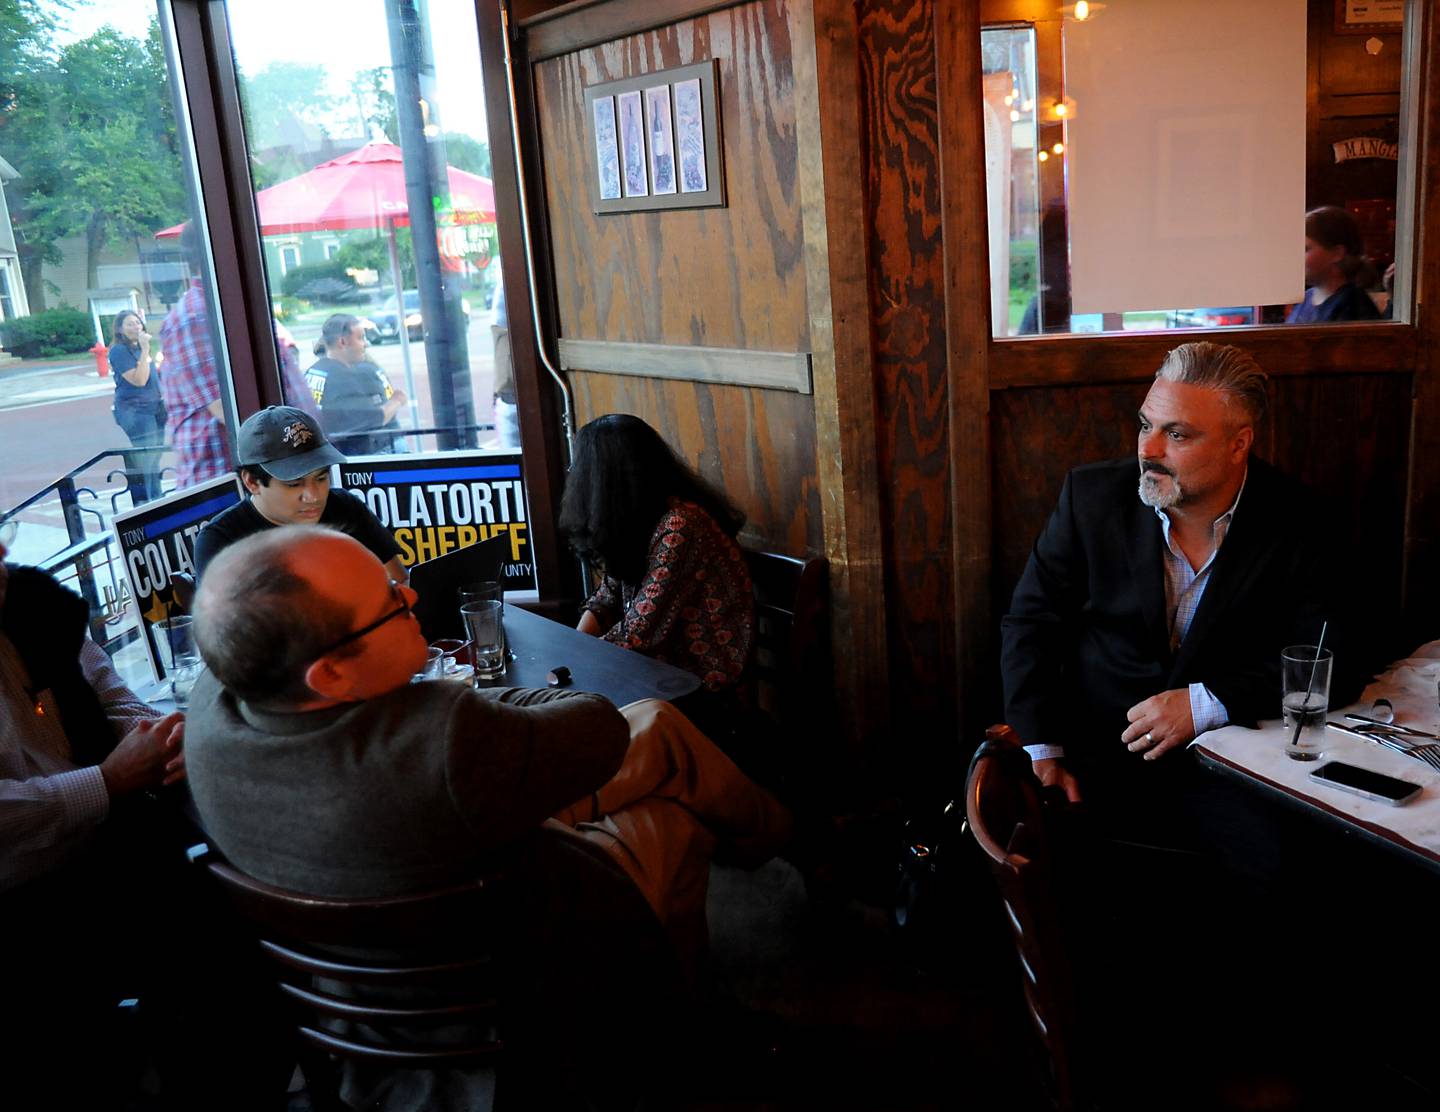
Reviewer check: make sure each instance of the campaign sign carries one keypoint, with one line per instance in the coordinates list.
(437, 503)
(157, 543)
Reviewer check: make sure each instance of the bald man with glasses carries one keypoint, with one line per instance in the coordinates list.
(318, 766)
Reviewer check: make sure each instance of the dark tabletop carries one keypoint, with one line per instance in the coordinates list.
(622, 676)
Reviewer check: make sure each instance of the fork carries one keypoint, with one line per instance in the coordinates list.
(1427, 751)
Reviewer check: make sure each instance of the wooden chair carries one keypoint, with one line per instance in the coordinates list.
(1003, 811)
(390, 1010)
(791, 669)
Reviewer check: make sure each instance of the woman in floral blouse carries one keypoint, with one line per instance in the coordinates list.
(675, 583)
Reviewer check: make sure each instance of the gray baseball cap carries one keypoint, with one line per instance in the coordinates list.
(286, 441)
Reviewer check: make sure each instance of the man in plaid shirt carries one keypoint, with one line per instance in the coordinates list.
(190, 384)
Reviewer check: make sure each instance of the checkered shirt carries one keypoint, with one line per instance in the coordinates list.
(190, 381)
(1184, 588)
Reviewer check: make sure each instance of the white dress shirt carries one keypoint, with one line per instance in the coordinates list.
(48, 806)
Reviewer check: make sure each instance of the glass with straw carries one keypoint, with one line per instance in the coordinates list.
(1305, 696)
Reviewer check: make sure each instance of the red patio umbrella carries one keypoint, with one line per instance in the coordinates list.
(366, 189)
(362, 189)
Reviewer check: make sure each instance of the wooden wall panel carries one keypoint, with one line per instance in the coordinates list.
(724, 277)
(1038, 435)
(729, 277)
(769, 471)
(897, 43)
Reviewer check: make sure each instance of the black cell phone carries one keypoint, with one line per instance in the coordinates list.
(1364, 781)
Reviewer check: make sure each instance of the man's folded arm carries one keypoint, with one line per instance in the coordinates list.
(518, 756)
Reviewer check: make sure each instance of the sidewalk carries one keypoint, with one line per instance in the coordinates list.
(41, 381)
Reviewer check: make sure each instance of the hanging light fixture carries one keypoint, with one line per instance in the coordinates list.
(1082, 11)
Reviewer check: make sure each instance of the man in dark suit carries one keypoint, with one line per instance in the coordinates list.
(1145, 617)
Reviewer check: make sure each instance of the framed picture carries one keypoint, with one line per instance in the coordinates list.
(633, 175)
(607, 150)
(1366, 17)
(657, 140)
(662, 139)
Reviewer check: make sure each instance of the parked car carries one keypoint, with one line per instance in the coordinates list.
(1210, 318)
(383, 325)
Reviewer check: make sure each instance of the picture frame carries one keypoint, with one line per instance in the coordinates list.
(607, 148)
(656, 141)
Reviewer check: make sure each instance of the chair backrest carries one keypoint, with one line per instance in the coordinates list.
(1003, 811)
(791, 668)
(437, 970)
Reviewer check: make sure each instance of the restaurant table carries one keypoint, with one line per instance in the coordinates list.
(1256, 758)
(540, 645)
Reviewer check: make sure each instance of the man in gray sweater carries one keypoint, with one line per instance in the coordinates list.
(318, 766)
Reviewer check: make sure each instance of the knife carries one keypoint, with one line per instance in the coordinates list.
(1392, 745)
(1392, 726)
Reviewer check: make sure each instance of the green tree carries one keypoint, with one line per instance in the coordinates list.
(374, 94)
(466, 153)
(93, 137)
(285, 104)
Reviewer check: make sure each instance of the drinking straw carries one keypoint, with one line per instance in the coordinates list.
(1309, 687)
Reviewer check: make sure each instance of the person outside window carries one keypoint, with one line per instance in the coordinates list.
(139, 408)
(354, 395)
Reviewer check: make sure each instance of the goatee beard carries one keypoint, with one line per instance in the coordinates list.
(1153, 495)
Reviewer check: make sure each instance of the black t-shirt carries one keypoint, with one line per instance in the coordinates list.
(343, 511)
(353, 401)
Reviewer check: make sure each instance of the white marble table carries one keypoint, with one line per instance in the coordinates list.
(1257, 758)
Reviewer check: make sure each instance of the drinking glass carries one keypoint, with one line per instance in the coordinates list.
(488, 590)
(1305, 696)
(449, 667)
(485, 622)
(175, 642)
(434, 662)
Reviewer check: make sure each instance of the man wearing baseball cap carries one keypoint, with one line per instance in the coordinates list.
(284, 466)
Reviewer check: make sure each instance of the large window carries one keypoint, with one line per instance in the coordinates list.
(371, 164)
(1159, 165)
(364, 140)
(118, 387)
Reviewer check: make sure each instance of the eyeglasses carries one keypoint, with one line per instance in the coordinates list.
(404, 608)
(9, 526)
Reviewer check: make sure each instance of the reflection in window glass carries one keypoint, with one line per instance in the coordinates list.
(1011, 178)
(1137, 180)
(114, 377)
(371, 165)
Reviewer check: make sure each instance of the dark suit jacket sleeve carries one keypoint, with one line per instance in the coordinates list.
(537, 751)
(1037, 635)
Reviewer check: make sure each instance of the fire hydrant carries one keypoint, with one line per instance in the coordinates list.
(102, 358)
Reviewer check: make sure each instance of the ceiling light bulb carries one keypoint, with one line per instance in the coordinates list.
(1060, 109)
(1082, 10)
(1029, 104)
(1058, 148)
(1009, 100)
(1043, 156)
(1014, 116)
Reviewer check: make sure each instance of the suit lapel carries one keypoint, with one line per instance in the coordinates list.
(1242, 556)
(1144, 543)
